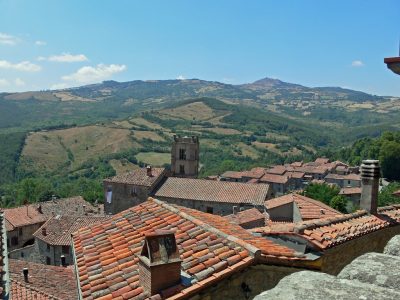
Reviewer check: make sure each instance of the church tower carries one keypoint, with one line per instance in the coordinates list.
(185, 156)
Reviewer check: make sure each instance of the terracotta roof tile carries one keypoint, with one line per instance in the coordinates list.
(3, 255)
(309, 208)
(138, 177)
(214, 191)
(59, 228)
(246, 217)
(331, 231)
(273, 178)
(45, 282)
(205, 243)
(350, 191)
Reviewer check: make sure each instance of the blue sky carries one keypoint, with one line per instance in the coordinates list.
(49, 44)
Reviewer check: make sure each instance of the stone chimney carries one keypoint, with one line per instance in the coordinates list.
(149, 171)
(159, 262)
(370, 173)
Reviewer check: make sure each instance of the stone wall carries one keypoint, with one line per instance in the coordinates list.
(218, 208)
(124, 196)
(246, 284)
(24, 234)
(335, 259)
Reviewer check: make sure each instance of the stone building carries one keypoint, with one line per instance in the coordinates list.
(344, 181)
(21, 223)
(217, 259)
(297, 208)
(126, 190)
(215, 197)
(53, 239)
(185, 153)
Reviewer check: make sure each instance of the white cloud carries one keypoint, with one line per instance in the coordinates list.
(40, 43)
(357, 63)
(41, 58)
(4, 82)
(67, 57)
(19, 82)
(98, 73)
(180, 77)
(59, 86)
(25, 66)
(6, 39)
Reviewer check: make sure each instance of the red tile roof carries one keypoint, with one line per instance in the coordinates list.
(23, 291)
(107, 253)
(60, 228)
(329, 232)
(309, 208)
(294, 174)
(272, 178)
(41, 212)
(23, 216)
(213, 191)
(322, 160)
(247, 217)
(350, 191)
(44, 281)
(278, 170)
(138, 177)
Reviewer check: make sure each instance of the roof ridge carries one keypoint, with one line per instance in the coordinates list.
(312, 224)
(254, 251)
(317, 202)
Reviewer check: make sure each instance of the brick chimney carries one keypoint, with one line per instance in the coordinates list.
(149, 171)
(370, 173)
(159, 262)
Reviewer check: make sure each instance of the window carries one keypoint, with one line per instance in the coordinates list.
(181, 169)
(48, 247)
(65, 249)
(348, 181)
(48, 260)
(182, 154)
(210, 210)
(20, 231)
(134, 192)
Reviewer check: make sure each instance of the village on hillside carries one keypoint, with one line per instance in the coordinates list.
(165, 234)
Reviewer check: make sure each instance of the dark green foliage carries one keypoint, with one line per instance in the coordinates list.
(386, 196)
(10, 149)
(322, 192)
(339, 203)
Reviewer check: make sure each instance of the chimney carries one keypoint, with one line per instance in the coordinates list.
(63, 261)
(159, 262)
(149, 173)
(25, 272)
(370, 173)
(44, 232)
(235, 210)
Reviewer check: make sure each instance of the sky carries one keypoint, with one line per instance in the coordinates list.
(58, 44)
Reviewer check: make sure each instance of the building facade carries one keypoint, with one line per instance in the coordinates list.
(185, 156)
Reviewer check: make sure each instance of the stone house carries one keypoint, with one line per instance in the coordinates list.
(297, 208)
(53, 238)
(215, 197)
(207, 257)
(129, 189)
(353, 195)
(21, 223)
(279, 183)
(344, 181)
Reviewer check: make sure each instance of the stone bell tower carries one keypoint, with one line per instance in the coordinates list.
(185, 156)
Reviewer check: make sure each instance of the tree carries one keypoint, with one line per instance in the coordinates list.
(322, 192)
(386, 196)
(389, 157)
(339, 203)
